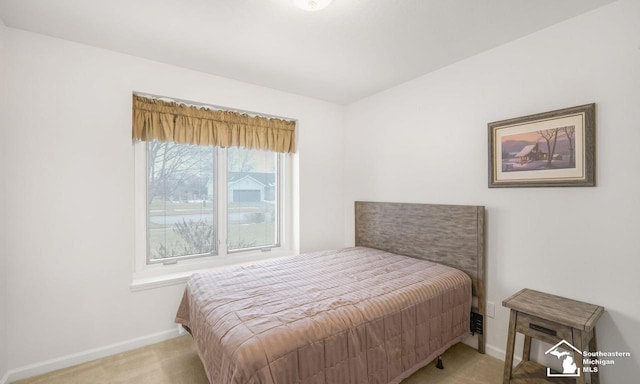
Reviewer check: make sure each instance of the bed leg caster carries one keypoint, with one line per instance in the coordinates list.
(439, 364)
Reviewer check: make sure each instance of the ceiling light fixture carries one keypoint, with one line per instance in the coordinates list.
(311, 5)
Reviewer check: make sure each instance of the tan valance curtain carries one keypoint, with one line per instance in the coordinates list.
(160, 120)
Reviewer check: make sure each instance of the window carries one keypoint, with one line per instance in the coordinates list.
(181, 204)
(252, 204)
(185, 184)
(202, 198)
(199, 207)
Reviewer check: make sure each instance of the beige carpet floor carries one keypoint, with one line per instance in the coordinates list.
(176, 362)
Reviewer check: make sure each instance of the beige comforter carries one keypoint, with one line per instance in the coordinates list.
(355, 315)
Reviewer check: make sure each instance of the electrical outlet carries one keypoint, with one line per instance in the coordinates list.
(491, 309)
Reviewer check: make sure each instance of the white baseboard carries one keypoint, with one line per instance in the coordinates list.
(500, 354)
(83, 357)
(490, 350)
(496, 352)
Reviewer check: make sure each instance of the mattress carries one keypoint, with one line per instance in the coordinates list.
(353, 315)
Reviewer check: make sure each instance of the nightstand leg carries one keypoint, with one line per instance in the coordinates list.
(578, 340)
(593, 347)
(511, 341)
(526, 350)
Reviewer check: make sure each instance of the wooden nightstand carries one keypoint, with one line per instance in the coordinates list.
(551, 319)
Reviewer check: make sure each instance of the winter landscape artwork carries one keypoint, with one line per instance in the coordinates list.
(547, 149)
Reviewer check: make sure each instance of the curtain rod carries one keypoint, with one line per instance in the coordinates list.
(211, 106)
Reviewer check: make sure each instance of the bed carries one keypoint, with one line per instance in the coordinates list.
(373, 313)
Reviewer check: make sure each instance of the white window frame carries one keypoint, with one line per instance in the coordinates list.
(156, 274)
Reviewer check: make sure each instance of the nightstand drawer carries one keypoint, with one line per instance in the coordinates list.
(543, 329)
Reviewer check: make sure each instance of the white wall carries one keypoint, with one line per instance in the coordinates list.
(426, 141)
(3, 227)
(71, 196)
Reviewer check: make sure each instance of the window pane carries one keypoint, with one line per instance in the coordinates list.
(252, 199)
(181, 195)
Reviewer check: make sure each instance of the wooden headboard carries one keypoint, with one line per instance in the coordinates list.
(452, 235)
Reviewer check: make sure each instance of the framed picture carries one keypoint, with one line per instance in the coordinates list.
(551, 149)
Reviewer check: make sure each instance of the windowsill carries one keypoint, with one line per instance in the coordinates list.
(168, 278)
(145, 283)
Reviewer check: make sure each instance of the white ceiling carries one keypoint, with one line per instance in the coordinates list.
(348, 51)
